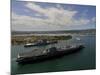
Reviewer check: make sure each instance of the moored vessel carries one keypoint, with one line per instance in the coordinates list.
(40, 43)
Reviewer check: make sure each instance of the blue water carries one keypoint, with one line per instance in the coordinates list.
(84, 59)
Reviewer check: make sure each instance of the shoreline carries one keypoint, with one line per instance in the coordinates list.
(18, 40)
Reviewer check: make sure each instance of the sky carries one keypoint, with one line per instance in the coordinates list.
(42, 16)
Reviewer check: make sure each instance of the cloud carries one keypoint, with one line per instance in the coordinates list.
(53, 14)
(20, 22)
(55, 18)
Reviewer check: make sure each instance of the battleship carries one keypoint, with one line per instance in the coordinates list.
(40, 43)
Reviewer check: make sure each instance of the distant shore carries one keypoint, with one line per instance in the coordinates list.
(23, 37)
(18, 40)
(85, 31)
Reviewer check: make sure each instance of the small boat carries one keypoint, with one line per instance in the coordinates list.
(28, 44)
(53, 52)
(78, 39)
(40, 43)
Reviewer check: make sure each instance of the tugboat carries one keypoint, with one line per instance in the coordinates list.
(53, 52)
(40, 43)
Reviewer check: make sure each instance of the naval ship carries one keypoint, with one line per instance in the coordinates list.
(40, 43)
(50, 53)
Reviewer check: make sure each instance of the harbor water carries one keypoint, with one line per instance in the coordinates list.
(82, 60)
